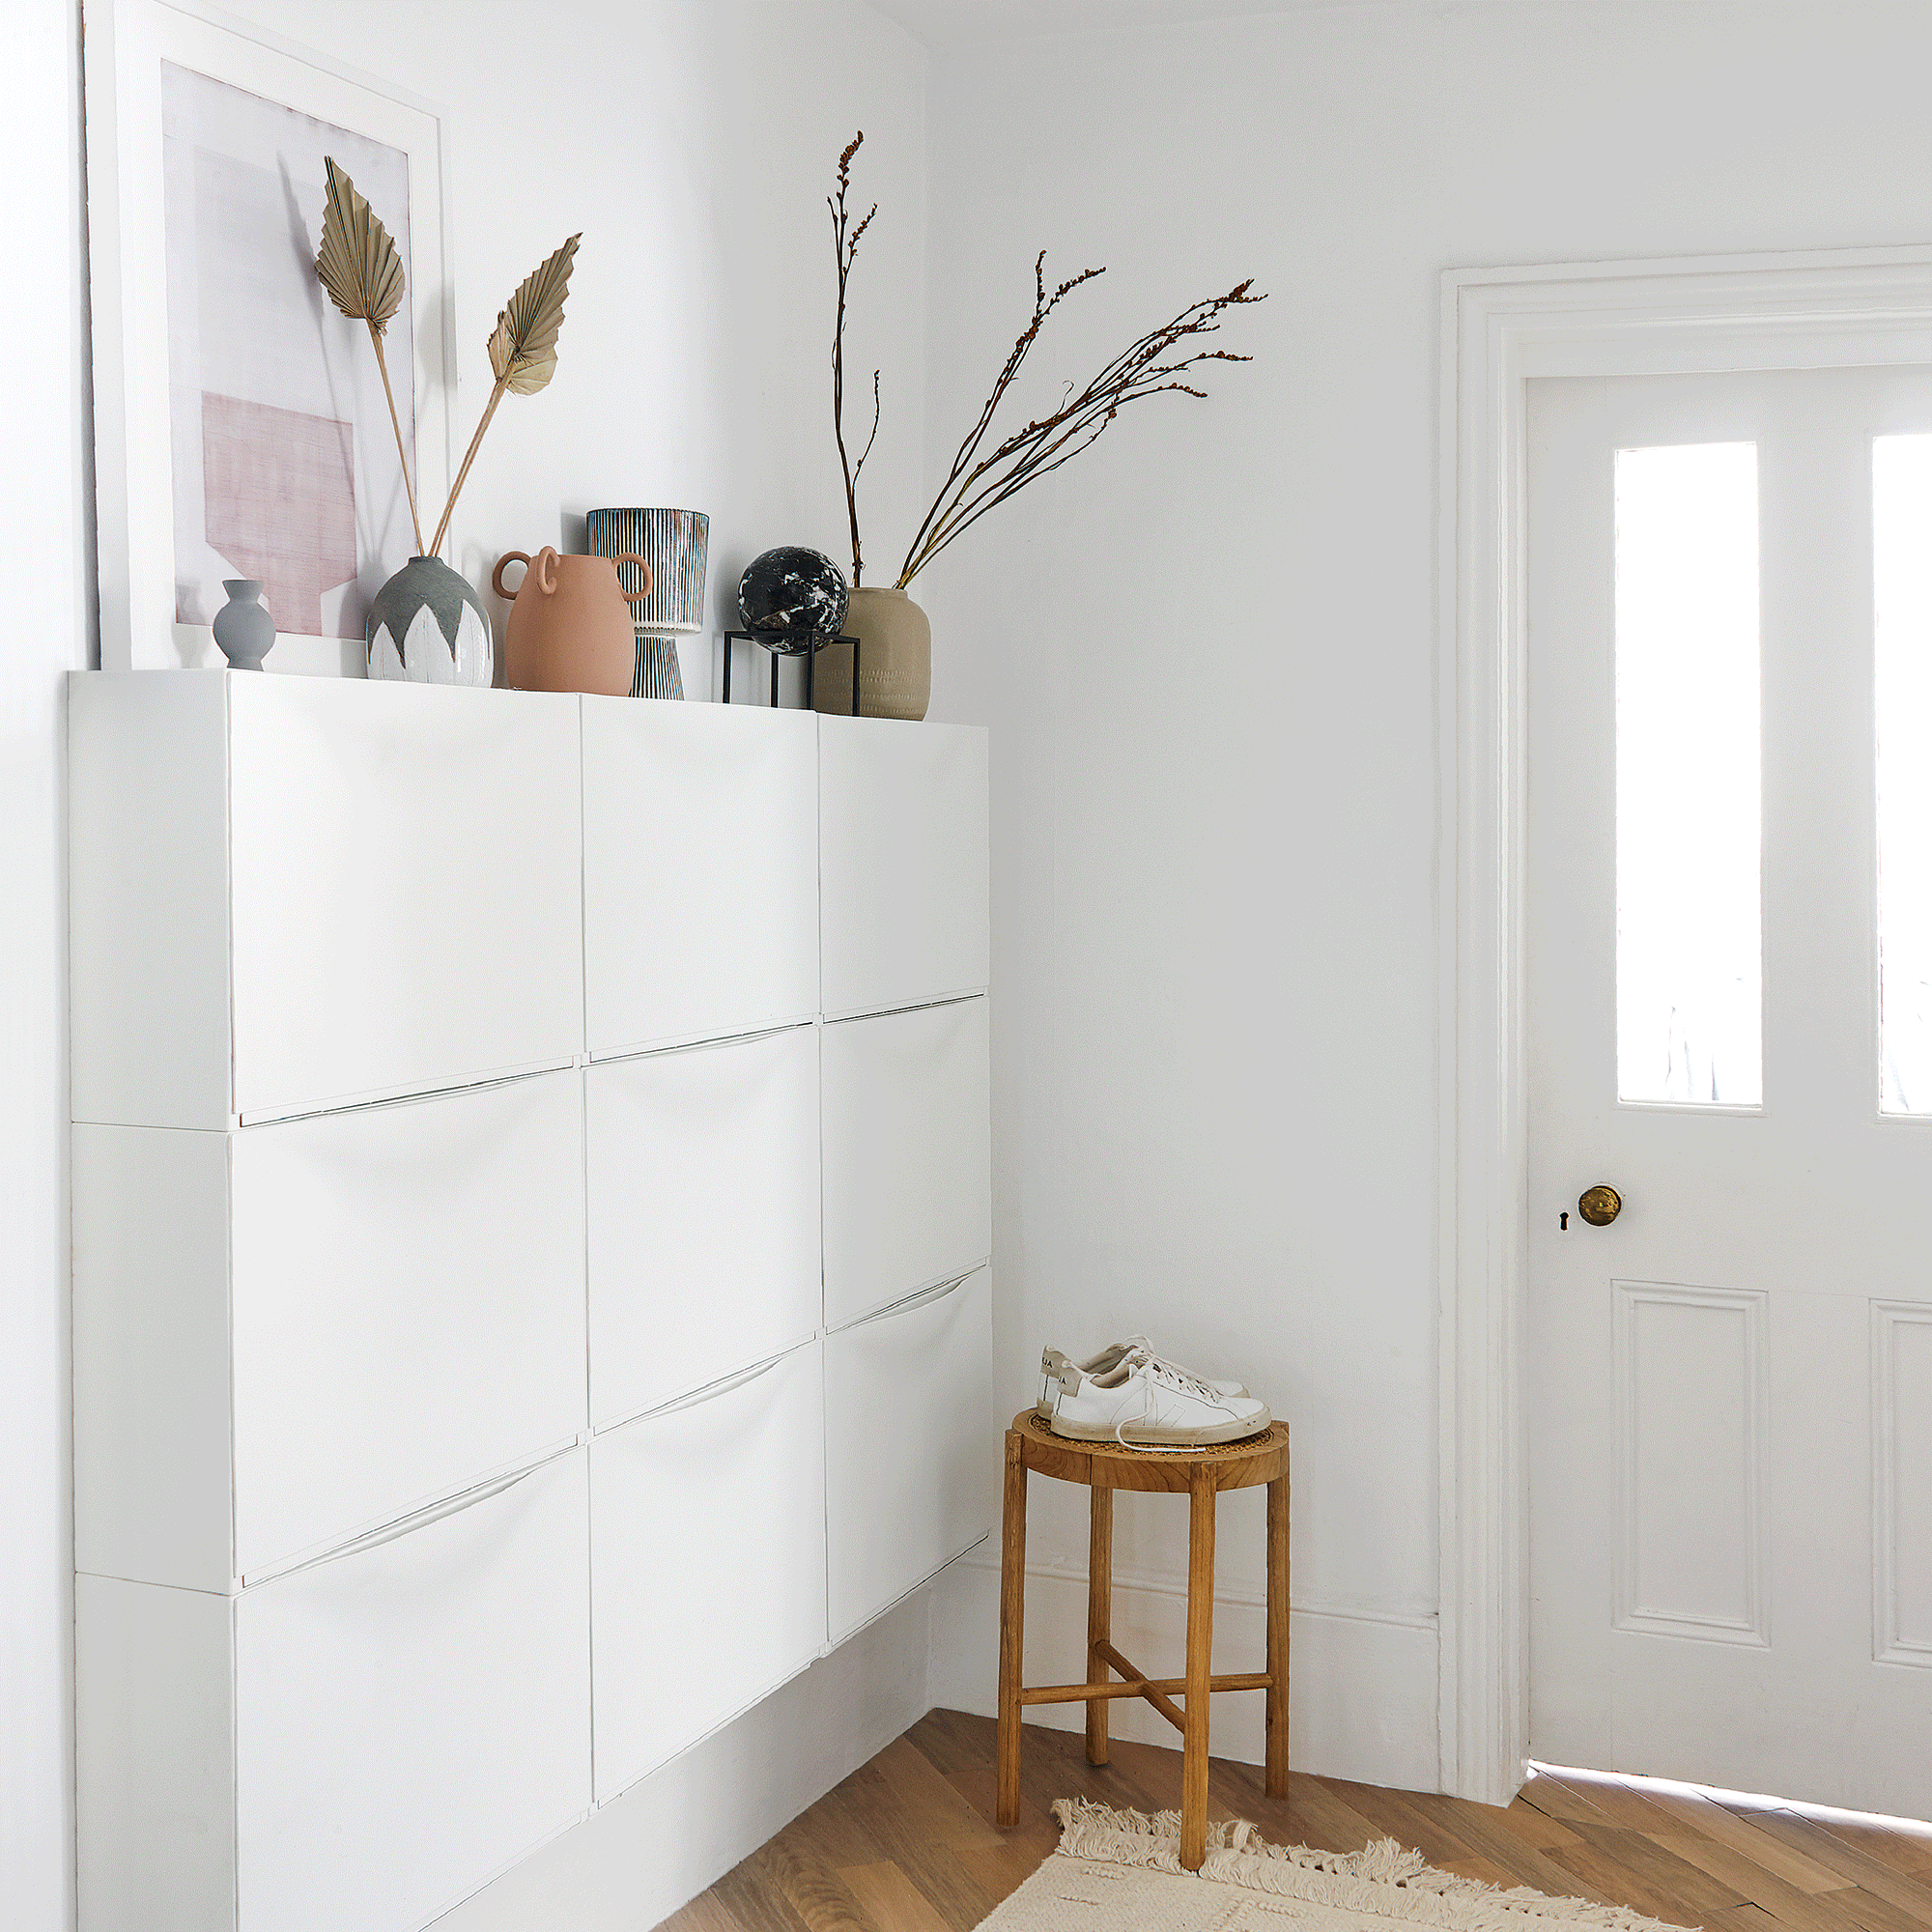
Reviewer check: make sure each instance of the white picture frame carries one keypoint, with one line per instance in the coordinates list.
(126, 44)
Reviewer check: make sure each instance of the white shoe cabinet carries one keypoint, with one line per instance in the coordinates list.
(532, 1287)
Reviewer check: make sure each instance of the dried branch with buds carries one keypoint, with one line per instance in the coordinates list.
(846, 247)
(1150, 366)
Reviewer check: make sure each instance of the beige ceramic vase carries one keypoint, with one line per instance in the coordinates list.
(570, 628)
(894, 658)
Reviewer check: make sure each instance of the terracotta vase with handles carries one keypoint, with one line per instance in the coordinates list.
(571, 627)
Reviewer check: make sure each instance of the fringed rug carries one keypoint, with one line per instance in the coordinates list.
(1120, 1872)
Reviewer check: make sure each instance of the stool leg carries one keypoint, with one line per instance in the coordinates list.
(1200, 1646)
(1099, 1616)
(1277, 1638)
(1013, 1609)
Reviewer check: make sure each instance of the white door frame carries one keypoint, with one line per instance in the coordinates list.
(1500, 328)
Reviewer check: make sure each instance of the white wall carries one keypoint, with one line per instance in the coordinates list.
(693, 142)
(1208, 651)
(45, 503)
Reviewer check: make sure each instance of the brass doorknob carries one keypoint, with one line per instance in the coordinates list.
(1599, 1205)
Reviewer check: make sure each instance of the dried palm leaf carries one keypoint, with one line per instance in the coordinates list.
(522, 351)
(358, 264)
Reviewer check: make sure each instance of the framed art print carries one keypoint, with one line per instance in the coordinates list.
(241, 427)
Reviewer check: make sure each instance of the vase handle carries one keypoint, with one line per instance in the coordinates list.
(634, 596)
(496, 574)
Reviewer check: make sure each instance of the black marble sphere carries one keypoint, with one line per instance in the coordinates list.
(793, 589)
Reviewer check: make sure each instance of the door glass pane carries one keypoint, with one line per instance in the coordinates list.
(1902, 599)
(1689, 945)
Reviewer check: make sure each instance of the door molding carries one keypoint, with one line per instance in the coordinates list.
(1500, 330)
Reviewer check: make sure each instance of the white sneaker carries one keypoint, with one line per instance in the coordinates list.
(1115, 1351)
(1144, 1402)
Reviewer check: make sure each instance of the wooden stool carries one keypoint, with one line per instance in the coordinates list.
(1200, 1474)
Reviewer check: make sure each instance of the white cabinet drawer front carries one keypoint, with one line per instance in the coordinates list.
(708, 1528)
(700, 871)
(703, 1215)
(413, 1716)
(405, 879)
(908, 1190)
(912, 1453)
(408, 1306)
(904, 876)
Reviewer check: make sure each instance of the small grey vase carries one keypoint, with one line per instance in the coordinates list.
(242, 626)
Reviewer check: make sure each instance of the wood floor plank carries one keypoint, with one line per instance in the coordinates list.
(1757, 1883)
(1605, 1874)
(1703, 1817)
(1482, 1869)
(1876, 1914)
(814, 1891)
(1419, 1828)
(1617, 1798)
(1903, 1847)
(1534, 1827)
(892, 1901)
(705, 1914)
(1650, 1860)
(918, 1784)
(1498, 1832)
(754, 1904)
(1555, 1800)
(1487, 1831)
(1311, 1815)
(1911, 1895)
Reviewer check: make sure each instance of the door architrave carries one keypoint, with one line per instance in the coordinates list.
(1501, 329)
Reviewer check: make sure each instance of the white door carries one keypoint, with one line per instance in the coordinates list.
(1730, 748)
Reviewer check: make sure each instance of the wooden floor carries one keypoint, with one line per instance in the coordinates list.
(907, 1844)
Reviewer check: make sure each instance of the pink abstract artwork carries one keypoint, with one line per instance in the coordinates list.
(279, 491)
(284, 464)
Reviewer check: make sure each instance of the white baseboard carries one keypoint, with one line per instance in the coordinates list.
(661, 1842)
(1362, 1702)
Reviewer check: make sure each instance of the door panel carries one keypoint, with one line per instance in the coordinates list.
(709, 1527)
(904, 862)
(907, 1126)
(911, 1453)
(414, 1716)
(700, 871)
(407, 1306)
(397, 925)
(1708, 1599)
(704, 1212)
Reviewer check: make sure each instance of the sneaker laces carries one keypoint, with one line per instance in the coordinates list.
(1143, 1346)
(1179, 1380)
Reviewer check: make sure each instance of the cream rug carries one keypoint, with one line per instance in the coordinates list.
(1120, 1872)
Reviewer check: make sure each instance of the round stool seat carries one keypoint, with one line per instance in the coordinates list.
(1111, 1465)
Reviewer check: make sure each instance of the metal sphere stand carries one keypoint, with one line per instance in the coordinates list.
(787, 645)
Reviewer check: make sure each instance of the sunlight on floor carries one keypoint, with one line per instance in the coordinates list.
(1915, 1828)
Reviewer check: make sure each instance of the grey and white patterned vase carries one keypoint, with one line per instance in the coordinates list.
(428, 626)
(676, 545)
